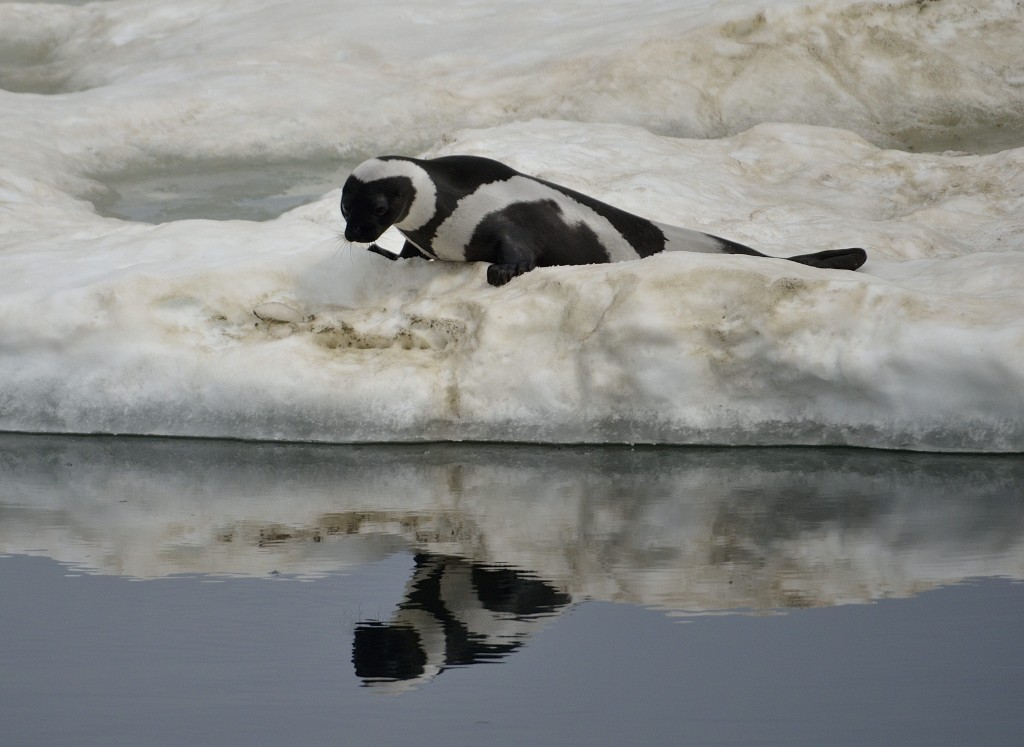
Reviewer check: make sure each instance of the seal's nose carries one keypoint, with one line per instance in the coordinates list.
(363, 232)
(357, 234)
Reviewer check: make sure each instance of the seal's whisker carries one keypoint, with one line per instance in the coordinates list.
(343, 244)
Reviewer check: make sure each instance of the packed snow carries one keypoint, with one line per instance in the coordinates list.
(125, 307)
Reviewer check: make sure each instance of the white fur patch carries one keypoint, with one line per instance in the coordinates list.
(424, 199)
(684, 240)
(453, 236)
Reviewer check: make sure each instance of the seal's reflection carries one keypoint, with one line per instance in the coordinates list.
(454, 613)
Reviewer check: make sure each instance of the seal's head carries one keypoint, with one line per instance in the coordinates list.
(371, 207)
(384, 192)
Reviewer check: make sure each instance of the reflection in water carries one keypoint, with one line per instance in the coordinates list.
(455, 613)
(692, 530)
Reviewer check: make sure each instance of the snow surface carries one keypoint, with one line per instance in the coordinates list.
(279, 330)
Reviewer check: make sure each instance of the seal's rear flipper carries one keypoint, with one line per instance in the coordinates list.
(834, 259)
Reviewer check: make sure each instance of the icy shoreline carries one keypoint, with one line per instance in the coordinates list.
(679, 348)
(110, 326)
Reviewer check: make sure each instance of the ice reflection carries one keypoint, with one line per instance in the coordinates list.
(686, 530)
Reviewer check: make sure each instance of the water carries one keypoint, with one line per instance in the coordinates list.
(217, 191)
(162, 591)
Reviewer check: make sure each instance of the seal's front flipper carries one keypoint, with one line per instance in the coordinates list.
(382, 252)
(834, 259)
(498, 275)
(410, 250)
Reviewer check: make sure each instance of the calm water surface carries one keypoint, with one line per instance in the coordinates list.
(167, 592)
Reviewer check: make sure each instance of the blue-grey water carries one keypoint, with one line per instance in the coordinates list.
(165, 592)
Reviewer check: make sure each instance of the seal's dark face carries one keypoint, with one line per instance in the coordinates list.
(370, 208)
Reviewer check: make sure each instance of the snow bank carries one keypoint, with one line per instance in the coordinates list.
(277, 330)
